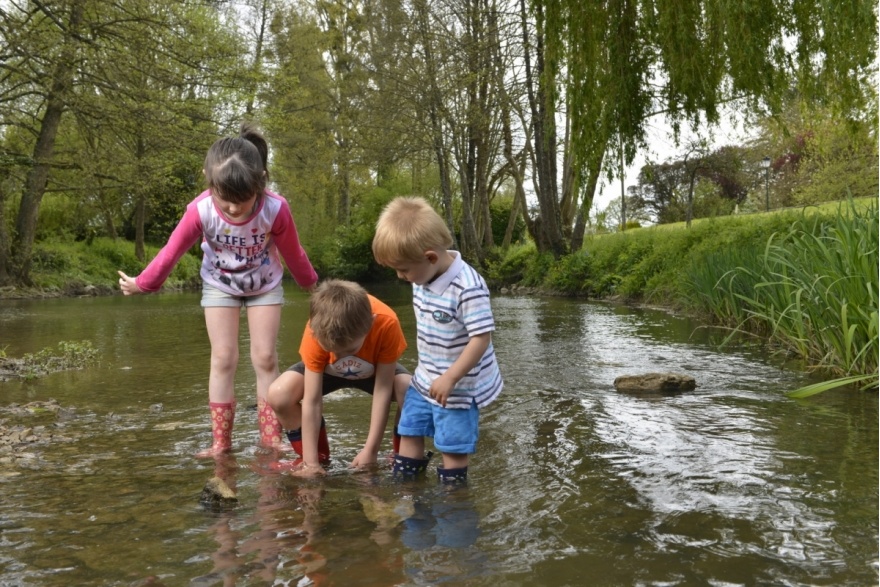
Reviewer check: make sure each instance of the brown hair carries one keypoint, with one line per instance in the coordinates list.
(339, 313)
(407, 227)
(235, 167)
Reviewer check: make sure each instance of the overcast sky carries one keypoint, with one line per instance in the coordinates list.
(662, 147)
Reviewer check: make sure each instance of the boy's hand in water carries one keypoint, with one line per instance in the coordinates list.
(364, 458)
(128, 285)
(308, 471)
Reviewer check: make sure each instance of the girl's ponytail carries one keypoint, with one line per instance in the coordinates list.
(235, 167)
(251, 133)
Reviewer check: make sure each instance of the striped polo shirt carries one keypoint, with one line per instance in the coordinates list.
(449, 311)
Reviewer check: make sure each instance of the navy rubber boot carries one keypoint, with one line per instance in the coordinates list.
(452, 476)
(407, 469)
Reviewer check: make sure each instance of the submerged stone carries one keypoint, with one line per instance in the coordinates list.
(654, 383)
(218, 496)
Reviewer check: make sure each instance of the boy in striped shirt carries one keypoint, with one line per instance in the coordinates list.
(457, 374)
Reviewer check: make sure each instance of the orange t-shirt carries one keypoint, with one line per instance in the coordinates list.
(385, 343)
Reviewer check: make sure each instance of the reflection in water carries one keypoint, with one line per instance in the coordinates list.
(573, 483)
(442, 533)
(276, 541)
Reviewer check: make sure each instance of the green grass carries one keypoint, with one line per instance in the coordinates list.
(63, 267)
(803, 280)
(814, 293)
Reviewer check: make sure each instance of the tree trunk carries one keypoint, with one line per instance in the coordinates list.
(140, 204)
(38, 175)
(470, 244)
(434, 115)
(257, 65)
(541, 103)
(5, 278)
(344, 211)
(577, 235)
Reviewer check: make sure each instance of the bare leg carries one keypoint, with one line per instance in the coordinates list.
(285, 395)
(401, 384)
(222, 325)
(263, 324)
(454, 461)
(412, 447)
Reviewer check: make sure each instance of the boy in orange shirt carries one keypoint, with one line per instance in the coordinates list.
(352, 340)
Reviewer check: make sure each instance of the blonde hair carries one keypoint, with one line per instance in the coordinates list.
(407, 227)
(339, 313)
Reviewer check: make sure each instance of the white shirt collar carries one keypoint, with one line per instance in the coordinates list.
(442, 281)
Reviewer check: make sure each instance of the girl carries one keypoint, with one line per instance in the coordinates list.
(243, 227)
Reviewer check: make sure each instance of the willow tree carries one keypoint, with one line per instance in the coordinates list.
(152, 123)
(38, 70)
(624, 61)
(298, 118)
(103, 92)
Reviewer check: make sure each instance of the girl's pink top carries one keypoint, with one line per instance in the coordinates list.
(240, 258)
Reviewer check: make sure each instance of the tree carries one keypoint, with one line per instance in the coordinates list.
(695, 185)
(57, 31)
(541, 63)
(103, 79)
(298, 117)
(625, 61)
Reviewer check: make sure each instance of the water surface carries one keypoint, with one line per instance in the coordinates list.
(574, 484)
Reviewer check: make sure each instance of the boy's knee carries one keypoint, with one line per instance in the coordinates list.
(279, 395)
(276, 396)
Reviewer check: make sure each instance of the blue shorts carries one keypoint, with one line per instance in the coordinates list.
(454, 431)
(215, 298)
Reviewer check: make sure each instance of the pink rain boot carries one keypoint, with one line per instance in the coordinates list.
(222, 419)
(270, 427)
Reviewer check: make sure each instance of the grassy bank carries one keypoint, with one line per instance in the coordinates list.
(80, 268)
(804, 280)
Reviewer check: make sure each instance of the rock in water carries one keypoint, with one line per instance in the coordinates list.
(218, 496)
(654, 383)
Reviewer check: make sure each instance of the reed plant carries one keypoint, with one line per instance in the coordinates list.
(813, 292)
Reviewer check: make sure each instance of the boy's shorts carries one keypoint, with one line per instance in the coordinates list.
(215, 298)
(454, 431)
(331, 383)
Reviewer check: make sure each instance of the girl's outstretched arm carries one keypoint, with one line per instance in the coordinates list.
(128, 285)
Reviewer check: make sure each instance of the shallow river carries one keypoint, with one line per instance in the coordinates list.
(574, 484)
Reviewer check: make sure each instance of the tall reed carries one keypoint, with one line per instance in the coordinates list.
(812, 291)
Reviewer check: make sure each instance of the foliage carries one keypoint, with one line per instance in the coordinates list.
(842, 161)
(499, 210)
(105, 142)
(719, 183)
(702, 52)
(805, 280)
(520, 264)
(349, 255)
(574, 274)
(70, 266)
(69, 355)
(815, 292)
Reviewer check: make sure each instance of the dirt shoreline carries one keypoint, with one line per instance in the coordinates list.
(74, 290)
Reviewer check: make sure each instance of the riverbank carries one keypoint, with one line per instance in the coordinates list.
(805, 281)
